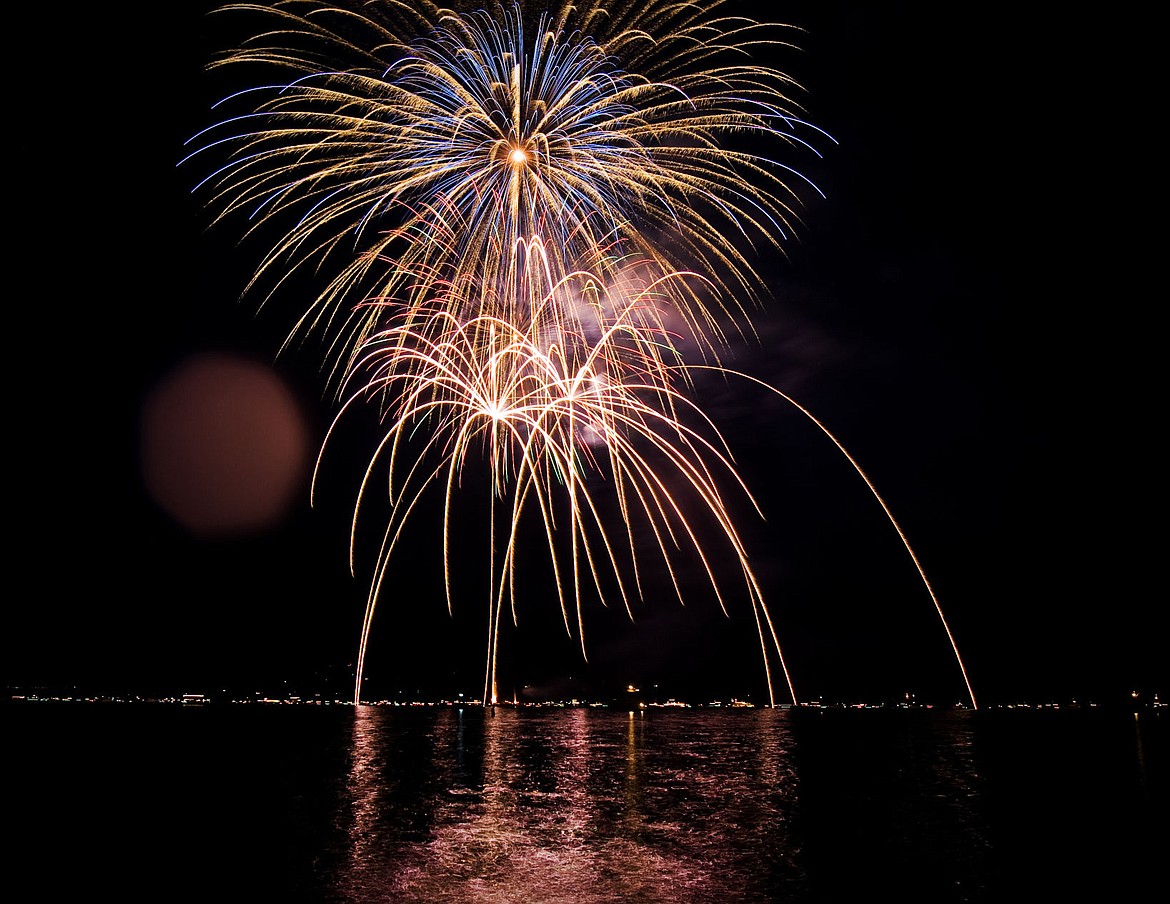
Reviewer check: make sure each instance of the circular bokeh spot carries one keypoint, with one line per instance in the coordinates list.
(224, 445)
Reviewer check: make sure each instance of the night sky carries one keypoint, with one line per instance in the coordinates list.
(964, 310)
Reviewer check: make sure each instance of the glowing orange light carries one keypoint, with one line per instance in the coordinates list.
(518, 156)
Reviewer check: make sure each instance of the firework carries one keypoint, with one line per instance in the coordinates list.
(513, 222)
(421, 163)
(560, 418)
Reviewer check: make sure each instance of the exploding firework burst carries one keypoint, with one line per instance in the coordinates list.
(522, 218)
(422, 163)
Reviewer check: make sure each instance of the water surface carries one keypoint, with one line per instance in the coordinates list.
(150, 802)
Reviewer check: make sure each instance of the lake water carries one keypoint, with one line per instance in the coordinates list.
(236, 802)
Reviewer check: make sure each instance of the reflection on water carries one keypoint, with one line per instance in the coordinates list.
(592, 805)
(302, 805)
(568, 805)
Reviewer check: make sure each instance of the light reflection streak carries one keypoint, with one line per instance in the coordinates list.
(365, 786)
(633, 819)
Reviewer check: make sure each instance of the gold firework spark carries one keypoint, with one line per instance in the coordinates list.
(515, 221)
(420, 150)
(558, 416)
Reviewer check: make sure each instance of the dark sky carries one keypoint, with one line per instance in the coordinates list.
(964, 311)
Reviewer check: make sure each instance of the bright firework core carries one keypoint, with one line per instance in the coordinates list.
(518, 156)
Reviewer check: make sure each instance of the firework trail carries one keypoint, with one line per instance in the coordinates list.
(514, 220)
(559, 417)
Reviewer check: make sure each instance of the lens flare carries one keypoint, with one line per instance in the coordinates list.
(513, 226)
